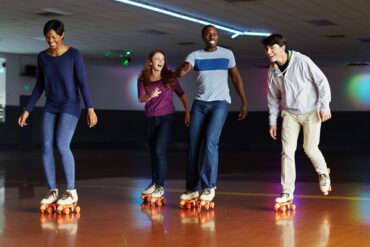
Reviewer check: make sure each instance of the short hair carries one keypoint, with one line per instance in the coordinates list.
(206, 27)
(55, 25)
(274, 39)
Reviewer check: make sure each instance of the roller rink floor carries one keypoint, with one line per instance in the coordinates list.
(109, 183)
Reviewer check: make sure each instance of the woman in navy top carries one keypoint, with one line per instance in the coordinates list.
(61, 75)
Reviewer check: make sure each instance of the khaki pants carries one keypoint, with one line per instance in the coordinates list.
(292, 123)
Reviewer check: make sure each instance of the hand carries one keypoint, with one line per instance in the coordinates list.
(187, 118)
(92, 119)
(155, 93)
(22, 119)
(324, 115)
(243, 112)
(273, 132)
(186, 67)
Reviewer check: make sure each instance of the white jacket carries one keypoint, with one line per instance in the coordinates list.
(302, 89)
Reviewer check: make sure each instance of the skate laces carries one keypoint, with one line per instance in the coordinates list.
(66, 195)
(284, 194)
(323, 179)
(51, 193)
(206, 192)
(158, 189)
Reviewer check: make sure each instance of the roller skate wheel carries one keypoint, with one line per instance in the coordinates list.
(283, 209)
(49, 210)
(78, 209)
(159, 203)
(212, 205)
(293, 207)
(164, 201)
(66, 211)
(276, 207)
(60, 209)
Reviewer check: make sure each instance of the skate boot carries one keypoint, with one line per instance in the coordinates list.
(68, 203)
(157, 197)
(206, 199)
(146, 194)
(48, 203)
(325, 185)
(189, 199)
(284, 202)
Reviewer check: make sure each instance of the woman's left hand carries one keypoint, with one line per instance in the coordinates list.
(92, 119)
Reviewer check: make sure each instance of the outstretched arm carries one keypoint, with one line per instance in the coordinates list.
(239, 86)
(183, 69)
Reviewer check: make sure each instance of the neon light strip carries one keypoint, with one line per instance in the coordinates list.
(234, 32)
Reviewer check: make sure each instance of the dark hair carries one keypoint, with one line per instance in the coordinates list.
(55, 25)
(206, 27)
(274, 39)
(168, 76)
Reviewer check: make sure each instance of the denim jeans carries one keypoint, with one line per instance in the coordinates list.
(206, 123)
(58, 128)
(159, 132)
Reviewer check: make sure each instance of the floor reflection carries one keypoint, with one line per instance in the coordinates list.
(205, 218)
(285, 221)
(60, 225)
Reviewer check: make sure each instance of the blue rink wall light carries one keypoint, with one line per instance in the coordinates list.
(235, 33)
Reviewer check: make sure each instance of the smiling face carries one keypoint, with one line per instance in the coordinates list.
(276, 53)
(158, 61)
(53, 39)
(210, 38)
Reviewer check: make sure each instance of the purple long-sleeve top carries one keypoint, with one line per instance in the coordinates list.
(61, 78)
(163, 104)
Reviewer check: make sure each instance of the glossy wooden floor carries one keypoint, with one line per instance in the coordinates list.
(110, 182)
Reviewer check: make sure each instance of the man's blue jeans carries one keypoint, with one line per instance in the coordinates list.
(159, 133)
(58, 129)
(206, 123)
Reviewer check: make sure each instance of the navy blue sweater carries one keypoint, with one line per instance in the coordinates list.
(61, 78)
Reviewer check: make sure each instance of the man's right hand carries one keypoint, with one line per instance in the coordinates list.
(273, 131)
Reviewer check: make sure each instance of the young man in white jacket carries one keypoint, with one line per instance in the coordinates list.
(300, 90)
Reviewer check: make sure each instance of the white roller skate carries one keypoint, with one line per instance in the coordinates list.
(284, 202)
(206, 199)
(189, 199)
(48, 203)
(68, 202)
(157, 197)
(146, 194)
(325, 185)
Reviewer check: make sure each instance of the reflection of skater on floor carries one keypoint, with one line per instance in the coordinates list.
(324, 232)
(59, 223)
(48, 222)
(196, 216)
(285, 220)
(155, 213)
(68, 224)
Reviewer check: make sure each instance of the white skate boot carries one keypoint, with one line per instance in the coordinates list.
(157, 197)
(325, 185)
(206, 199)
(48, 203)
(146, 194)
(68, 202)
(189, 199)
(284, 202)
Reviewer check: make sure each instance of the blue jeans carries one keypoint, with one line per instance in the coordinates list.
(159, 132)
(58, 128)
(206, 123)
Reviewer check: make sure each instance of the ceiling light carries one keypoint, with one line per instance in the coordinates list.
(235, 33)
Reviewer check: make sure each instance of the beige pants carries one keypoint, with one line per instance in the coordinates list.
(292, 124)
